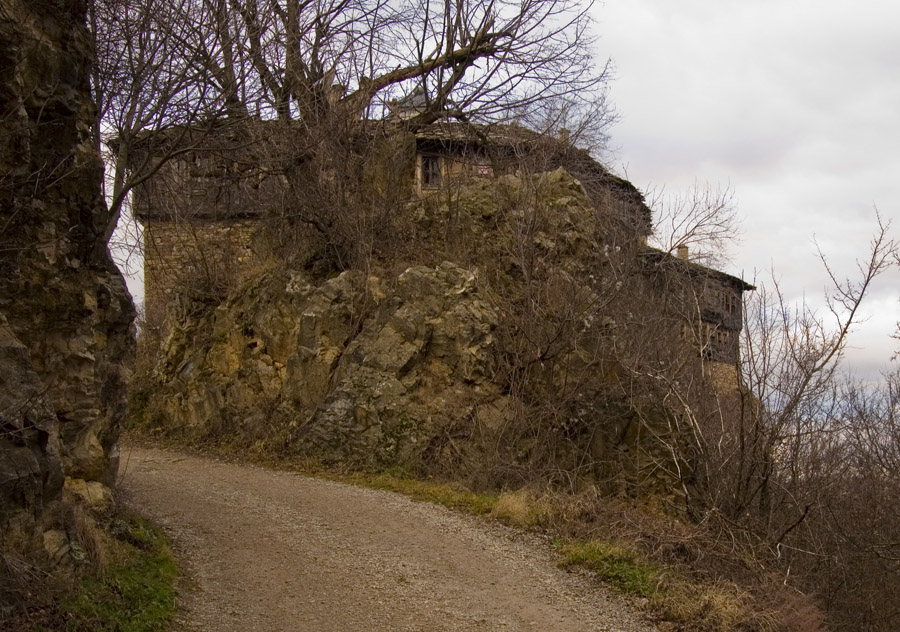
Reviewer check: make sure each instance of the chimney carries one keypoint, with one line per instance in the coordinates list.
(683, 253)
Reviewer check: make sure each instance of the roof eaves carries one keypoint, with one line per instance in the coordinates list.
(696, 268)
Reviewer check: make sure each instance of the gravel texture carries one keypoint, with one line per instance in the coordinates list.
(265, 550)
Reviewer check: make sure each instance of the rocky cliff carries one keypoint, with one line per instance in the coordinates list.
(490, 353)
(347, 369)
(65, 315)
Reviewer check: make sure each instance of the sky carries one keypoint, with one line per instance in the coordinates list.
(795, 105)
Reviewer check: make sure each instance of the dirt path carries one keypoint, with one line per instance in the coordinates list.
(273, 551)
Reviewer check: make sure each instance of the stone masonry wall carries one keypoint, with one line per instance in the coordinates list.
(198, 253)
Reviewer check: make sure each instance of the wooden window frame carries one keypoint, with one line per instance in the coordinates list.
(431, 172)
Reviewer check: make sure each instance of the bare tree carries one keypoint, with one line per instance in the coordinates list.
(703, 219)
(790, 453)
(849, 548)
(150, 88)
(326, 65)
(746, 446)
(471, 59)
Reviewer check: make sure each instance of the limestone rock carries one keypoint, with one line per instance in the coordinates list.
(61, 294)
(31, 473)
(65, 315)
(339, 371)
(94, 494)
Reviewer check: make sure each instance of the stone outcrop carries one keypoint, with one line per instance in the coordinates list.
(66, 315)
(346, 370)
(31, 474)
(520, 337)
(489, 349)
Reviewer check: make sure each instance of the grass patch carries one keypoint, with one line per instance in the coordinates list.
(135, 594)
(614, 565)
(448, 495)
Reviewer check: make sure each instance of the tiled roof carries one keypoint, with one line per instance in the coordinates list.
(464, 132)
(661, 257)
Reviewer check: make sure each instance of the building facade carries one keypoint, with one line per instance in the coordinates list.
(202, 208)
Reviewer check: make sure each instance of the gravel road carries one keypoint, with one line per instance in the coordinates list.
(271, 551)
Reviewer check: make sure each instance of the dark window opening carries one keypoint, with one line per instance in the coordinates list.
(431, 172)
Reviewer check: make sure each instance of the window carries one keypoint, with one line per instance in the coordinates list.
(723, 341)
(431, 172)
(730, 302)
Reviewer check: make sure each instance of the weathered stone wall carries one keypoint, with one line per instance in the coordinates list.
(66, 328)
(200, 252)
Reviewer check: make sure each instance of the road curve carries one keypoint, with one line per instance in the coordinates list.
(270, 551)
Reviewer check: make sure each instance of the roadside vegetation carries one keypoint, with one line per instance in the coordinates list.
(124, 582)
(687, 577)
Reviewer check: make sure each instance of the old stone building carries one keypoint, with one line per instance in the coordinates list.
(201, 211)
(201, 206)
(705, 304)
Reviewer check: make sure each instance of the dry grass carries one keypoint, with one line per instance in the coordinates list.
(523, 508)
(718, 606)
(89, 539)
(27, 588)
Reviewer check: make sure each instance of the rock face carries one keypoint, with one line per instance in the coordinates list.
(66, 326)
(31, 473)
(346, 370)
(490, 354)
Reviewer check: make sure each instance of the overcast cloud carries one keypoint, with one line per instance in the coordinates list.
(794, 103)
